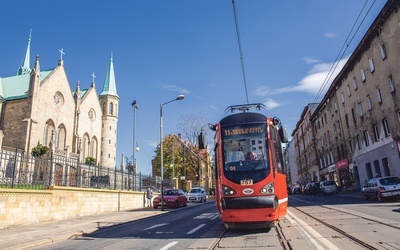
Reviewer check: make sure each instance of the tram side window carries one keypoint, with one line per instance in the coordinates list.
(278, 151)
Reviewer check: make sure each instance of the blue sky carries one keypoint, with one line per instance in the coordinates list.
(165, 48)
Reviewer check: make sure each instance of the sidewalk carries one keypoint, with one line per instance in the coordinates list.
(34, 235)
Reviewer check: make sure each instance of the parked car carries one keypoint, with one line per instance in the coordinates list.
(297, 189)
(172, 198)
(328, 187)
(311, 189)
(382, 188)
(289, 190)
(197, 194)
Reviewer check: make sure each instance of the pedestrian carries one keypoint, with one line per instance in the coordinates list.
(149, 196)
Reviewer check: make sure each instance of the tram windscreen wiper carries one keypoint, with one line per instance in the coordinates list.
(253, 169)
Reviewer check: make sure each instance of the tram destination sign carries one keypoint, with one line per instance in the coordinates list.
(242, 131)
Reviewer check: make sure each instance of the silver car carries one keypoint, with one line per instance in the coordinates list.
(382, 188)
(197, 194)
(328, 187)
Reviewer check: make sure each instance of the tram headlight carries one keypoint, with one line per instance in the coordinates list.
(228, 191)
(268, 189)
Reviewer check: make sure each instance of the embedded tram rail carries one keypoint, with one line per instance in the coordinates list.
(342, 224)
(273, 238)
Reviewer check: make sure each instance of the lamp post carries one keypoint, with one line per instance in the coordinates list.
(135, 107)
(178, 98)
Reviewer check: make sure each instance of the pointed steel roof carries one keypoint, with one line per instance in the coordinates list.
(109, 87)
(25, 68)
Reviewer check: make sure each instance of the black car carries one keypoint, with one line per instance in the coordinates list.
(289, 190)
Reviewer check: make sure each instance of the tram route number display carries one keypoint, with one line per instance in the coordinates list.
(242, 131)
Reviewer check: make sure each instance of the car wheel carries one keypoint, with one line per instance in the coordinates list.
(155, 207)
(176, 204)
(185, 204)
(365, 197)
(205, 199)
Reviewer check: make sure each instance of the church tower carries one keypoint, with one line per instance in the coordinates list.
(109, 104)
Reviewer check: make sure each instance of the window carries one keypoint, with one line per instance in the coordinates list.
(371, 65)
(342, 97)
(367, 138)
(354, 116)
(358, 140)
(386, 127)
(390, 82)
(347, 120)
(110, 109)
(351, 146)
(369, 103)
(362, 75)
(355, 84)
(348, 90)
(382, 50)
(376, 132)
(378, 95)
(360, 109)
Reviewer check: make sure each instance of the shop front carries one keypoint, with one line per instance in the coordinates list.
(345, 176)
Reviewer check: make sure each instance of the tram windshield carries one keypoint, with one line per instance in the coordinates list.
(245, 157)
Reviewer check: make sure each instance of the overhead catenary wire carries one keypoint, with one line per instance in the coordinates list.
(343, 49)
(240, 49)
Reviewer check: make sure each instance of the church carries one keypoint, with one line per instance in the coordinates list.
(38, 107)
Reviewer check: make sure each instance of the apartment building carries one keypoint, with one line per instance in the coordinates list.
(356, 126)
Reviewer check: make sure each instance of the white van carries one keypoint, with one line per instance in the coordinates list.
(197, 194)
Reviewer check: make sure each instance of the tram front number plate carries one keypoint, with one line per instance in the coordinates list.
(246, 182)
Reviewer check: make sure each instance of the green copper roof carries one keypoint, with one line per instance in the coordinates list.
(109, 87)
(16, 87)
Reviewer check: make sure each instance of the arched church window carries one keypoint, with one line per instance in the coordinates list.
(61, 136)
(49, 133)
(110, 108)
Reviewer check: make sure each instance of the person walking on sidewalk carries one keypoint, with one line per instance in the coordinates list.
(149, 196)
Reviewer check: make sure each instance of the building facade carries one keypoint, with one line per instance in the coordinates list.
(357, 124)
(38, 107)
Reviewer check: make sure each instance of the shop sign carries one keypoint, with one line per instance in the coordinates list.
(342, 164)
(332, 168)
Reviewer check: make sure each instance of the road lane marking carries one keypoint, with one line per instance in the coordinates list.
(168, 246)
(196, 228)
(307, 227)
(156, 225)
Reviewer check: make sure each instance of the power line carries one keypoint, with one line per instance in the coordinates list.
(343, 49)
(240, 49)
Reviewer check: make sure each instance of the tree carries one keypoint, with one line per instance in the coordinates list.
(39, 150)
(90, 160)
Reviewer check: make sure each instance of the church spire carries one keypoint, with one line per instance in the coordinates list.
(109, 87)
(24, 68)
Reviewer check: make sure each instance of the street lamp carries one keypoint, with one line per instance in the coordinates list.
(135, 107)
(178, 98)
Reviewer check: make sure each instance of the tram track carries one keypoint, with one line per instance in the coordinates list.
(343, 233)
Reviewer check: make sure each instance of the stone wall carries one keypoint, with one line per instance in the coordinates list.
(24, 207)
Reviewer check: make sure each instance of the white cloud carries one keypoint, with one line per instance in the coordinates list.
(330, 35)
(310, 60)
(271, 104)
(320, 74)
(175, 88)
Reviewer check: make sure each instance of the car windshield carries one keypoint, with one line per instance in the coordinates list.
(171, 192)
(195, 191)
(390, 181)
(328, 183)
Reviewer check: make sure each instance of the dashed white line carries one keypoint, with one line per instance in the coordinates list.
(196, 228)
(156, 225)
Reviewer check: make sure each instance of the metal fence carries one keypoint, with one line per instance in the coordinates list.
(18, 170)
